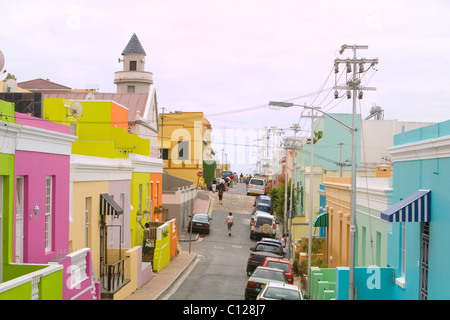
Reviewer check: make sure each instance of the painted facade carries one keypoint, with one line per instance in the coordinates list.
(183, 147)
(107, 159)
(8, 130)
(421, 160)
(37, 234)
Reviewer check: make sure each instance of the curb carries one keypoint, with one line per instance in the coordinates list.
(163, 292)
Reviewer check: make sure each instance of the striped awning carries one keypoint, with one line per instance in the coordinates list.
(414, 208)
(108, 207)
(321, 220)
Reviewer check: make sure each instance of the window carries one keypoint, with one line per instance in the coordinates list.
(140, 199)
(122, 220)
(424, 260)
(378, 256)
(87, 211)
(363, 245)
(401, 280)
(48, 213)
(131, 89)
(73, 129)
(133, 65)
(20, 189)
(403, 249)
(183, 150)
(165, 154)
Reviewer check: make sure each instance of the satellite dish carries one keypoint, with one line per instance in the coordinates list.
(76, 109)
(90, 96)
(10, 85)
(2, 61)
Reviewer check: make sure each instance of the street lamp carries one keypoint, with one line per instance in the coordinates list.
(276, 104)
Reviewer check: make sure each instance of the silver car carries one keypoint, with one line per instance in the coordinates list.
(260, 278)
(280, 291)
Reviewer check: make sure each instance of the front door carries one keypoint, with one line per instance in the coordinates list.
(19, 219)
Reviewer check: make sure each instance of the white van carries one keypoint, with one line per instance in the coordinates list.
(256, 186)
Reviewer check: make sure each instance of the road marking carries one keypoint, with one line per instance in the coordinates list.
(239, 247)
(219, 248)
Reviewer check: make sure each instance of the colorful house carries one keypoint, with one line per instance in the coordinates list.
(37, 265)
(110, 170)
(419, 220)
(185, 143)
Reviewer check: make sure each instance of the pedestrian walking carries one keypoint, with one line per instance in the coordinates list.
(213, 185)
(229, 221)
(147, 242)
(221, 189)
(283, 242)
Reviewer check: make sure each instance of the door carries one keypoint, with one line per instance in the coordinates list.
(19, 219)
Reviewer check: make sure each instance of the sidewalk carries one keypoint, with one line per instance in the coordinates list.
(162, 281)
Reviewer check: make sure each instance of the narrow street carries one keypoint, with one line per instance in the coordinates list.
(220, 272)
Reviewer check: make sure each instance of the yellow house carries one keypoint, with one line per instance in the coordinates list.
(112, 169)
(184, 140)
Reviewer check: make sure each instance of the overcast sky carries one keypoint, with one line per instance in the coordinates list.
(225, 56)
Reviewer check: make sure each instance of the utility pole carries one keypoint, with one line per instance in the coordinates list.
(223, 151)
(353, 85)
(311, 194)
(292, 144)
(288, 146)
(162, 134)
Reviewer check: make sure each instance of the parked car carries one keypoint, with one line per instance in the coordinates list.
(200, 223)
(262, 199)
(263, 225)
(271, 240)
(260, 251)
(263, 207)
(256, 214)
(260, 278)
(256, 186)
(280, 291)
(282, 264)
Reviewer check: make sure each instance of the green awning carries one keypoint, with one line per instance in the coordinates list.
(321, 220)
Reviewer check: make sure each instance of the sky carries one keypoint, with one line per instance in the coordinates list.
(229, 58)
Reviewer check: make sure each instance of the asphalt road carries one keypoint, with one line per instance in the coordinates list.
(220, 273)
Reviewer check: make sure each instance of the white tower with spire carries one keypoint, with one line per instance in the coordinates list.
(133, 78)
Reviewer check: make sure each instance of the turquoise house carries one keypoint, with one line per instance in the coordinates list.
(419, 220)
(332, 145)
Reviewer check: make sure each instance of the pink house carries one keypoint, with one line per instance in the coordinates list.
(42, 200)
(42, 175)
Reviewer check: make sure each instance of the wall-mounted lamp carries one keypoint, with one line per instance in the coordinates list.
(36, 211)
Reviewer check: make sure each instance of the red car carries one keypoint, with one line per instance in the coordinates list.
(282, 264)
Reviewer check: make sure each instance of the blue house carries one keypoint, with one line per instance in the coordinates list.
(419, 219)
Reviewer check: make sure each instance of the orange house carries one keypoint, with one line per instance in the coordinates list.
(338, 207)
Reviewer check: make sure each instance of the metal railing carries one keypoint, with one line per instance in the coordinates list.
(114, 275)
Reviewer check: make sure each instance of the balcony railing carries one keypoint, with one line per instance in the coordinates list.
(18, 287)
(113, 275)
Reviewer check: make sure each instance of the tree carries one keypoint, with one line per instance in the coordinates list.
(10, 76)
(277, 196)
